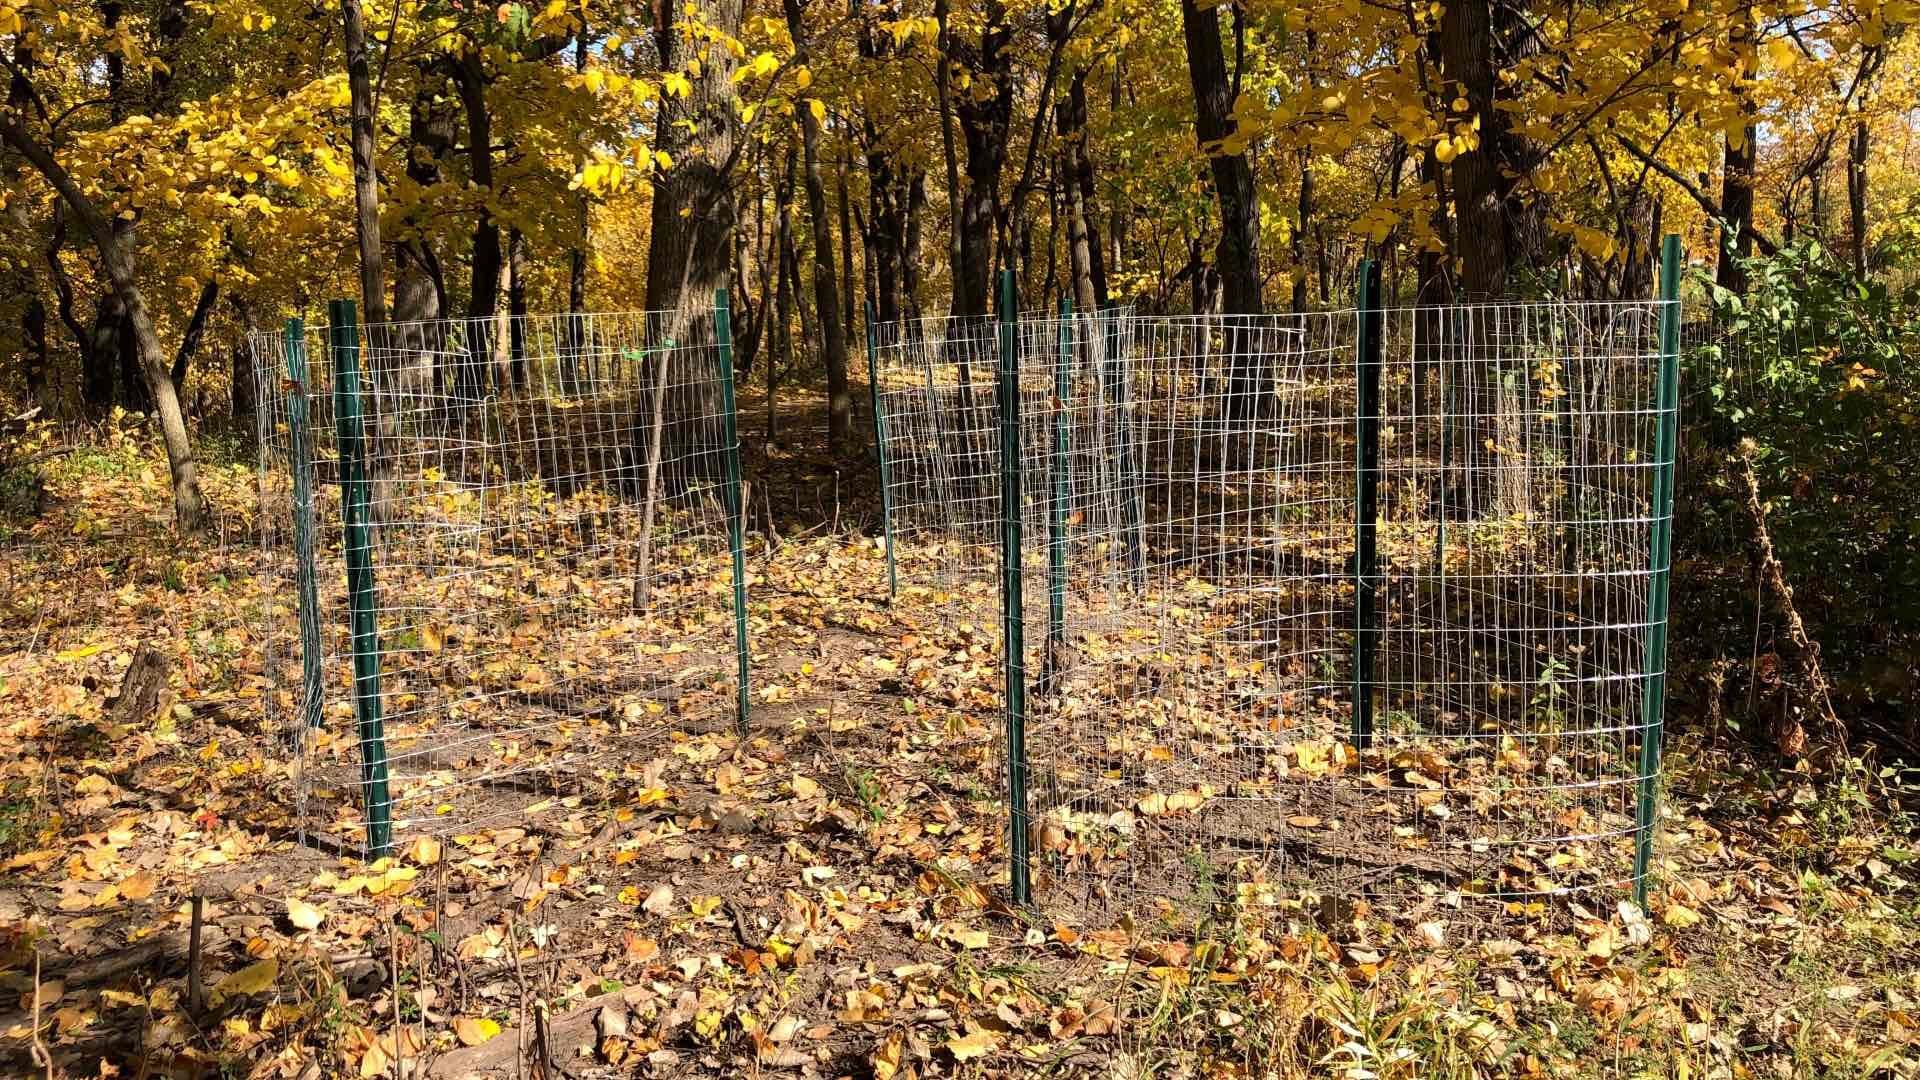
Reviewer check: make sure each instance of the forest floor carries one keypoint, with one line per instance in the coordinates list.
(803, 902)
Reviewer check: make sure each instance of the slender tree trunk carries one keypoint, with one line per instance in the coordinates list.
(958, 272)
(517, 270)
(245, 367)
(483, 298)
(196, 329)
(188, 506)
(847, 305)
(826, 289)
(1736, 178)
(33, 313)
(1857, 149)
(366, 180)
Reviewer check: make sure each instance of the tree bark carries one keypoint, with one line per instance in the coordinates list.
(1737, 177)
(985, 118)
(693, 205)
(1238, 256)
(419, 287)
(189, 507)
(366, 179)
(483, 298)
(33, 313)
(1857, 149)
(826, 290)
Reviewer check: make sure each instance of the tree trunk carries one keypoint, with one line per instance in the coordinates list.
(1736, 177)
(419, 288)
(366, 180)
(985, 115)
(1238, 255)
(1857, 148)
(942, 78)
(245, 401)
(188, 506)
(693, 205)
(483, 299)
(196, 329)
(33, 313)
(826, 289)
(517, 271)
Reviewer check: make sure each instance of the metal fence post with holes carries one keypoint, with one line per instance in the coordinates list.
(301, 462)
(1013, 615)
(1653, 699)
(736, 512)
(880, 450)
(343, 339)
(1366, 556)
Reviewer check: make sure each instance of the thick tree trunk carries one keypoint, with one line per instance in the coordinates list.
(1736, 203)
(33, 313)
(1238, 255)
(419, 287)
(1085, 261)
(366, 180)
(693, 204)
(985, 115)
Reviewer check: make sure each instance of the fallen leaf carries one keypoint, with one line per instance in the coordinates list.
(304, 915)
(472, 1031)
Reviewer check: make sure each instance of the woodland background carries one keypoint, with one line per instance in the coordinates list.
(180, 173)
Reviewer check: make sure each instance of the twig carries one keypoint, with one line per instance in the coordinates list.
(41, 1055)
(196, 990)
(1803, 649)
(519, 977)
(399, 1029)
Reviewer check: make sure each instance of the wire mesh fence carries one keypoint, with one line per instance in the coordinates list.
(1366, 601)
(508, 552)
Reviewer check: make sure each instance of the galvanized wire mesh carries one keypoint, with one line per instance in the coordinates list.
(551, 504)
(1202, 720)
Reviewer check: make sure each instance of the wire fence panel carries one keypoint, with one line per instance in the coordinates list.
(1358, 600)
(548, 510)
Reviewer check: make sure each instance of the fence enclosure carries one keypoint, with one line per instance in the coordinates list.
(508, 552)
(1367, 600)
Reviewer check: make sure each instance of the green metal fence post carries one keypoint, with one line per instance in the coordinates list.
(1013, 615)
(1653, 699)
(880, 450)
(736, 513)
(343, 340)
(311, 682)
(1057, 505)
(1366, 560)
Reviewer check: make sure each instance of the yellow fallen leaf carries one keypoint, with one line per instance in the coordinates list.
(304, 915)
(977, 1042)
(251, 979)
(473, 1031)
(1680, 915)
(139, 886)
